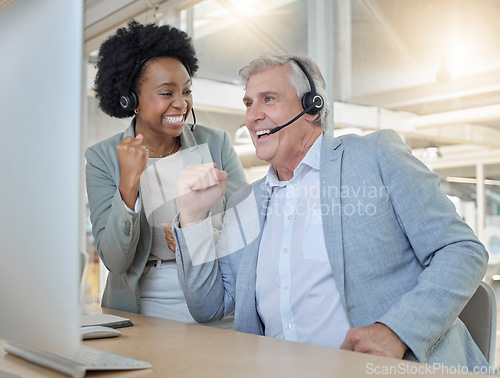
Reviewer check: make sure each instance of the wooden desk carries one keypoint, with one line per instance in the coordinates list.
(178, 349)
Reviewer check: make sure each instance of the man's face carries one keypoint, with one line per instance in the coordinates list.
(271, 101)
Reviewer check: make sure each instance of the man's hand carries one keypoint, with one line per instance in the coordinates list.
(199, 187)
(377, 339)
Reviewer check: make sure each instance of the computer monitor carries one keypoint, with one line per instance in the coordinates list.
(41, 45)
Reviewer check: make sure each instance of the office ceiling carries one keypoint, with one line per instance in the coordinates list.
(429, 69)
(103, 17)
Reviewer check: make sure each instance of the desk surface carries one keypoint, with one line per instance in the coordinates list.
(178, 349)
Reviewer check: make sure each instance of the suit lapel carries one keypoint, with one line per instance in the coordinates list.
(248, 318)
(191, 153)
(252, 249)
(330, 189)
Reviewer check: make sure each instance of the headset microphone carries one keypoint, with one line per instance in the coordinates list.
(193, 126)
(312, 102)
(278, 128)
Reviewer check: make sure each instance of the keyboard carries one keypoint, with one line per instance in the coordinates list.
(87, 358)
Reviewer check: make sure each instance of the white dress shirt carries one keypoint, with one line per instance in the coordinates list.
(297, 297)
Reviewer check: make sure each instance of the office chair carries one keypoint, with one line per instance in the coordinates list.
(480, 317)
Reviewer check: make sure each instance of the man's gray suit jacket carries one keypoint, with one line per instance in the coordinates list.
(399, 252)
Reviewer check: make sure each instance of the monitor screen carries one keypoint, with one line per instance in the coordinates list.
(41, 101)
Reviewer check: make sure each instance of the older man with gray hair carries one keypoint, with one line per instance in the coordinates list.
(347, 242)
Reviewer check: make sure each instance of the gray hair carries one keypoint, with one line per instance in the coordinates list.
(297, 77)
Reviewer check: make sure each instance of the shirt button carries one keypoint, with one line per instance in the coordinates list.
(126, 228)
(292, 185)
(285, 250)
(290, 217)
(288, 326)
(285, 287)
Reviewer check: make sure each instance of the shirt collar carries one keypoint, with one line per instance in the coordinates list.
(312, 159)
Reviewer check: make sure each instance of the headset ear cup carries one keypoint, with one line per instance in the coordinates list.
(135, 100)
(309, 100)
(129, 102)
(125, 102)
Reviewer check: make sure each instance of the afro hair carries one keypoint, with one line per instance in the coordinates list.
(121, 60)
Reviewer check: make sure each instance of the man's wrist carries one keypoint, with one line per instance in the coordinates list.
(188, 221)
(183, 224)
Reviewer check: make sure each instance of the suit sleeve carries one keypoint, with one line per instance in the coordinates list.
(454, 260)
(205, 266)
(115, 230)
(206, 270)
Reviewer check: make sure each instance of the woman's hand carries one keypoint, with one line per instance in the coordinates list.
(133, 158)
(169, 236)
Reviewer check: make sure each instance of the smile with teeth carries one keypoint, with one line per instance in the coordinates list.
(262, 132)
(175, 119)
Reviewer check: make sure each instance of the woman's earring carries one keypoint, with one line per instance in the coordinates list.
(136, 110)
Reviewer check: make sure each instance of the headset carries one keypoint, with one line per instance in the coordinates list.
(130, 101)
(312, 102)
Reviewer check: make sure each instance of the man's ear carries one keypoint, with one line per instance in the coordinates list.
(311, 118)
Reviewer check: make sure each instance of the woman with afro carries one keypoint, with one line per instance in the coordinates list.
(145, 72)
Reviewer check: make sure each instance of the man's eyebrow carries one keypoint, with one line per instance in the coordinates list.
(266, 93)
(261, 94)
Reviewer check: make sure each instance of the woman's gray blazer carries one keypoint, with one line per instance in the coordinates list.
(123, 240)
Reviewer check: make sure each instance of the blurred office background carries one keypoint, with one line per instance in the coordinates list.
(429, 69)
